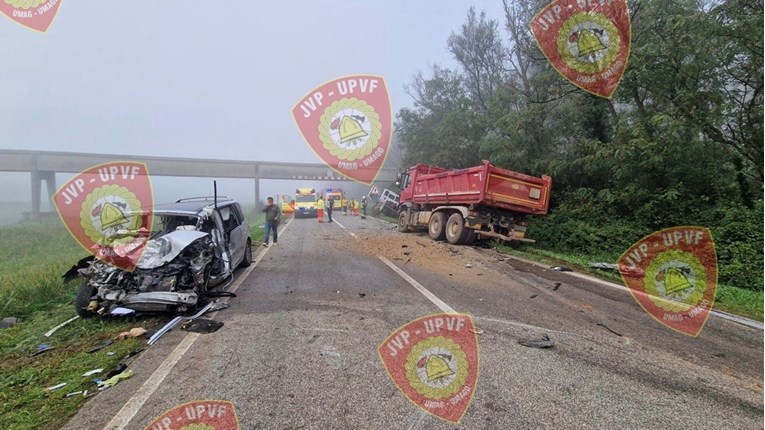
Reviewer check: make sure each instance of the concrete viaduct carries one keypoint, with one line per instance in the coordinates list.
(43, 166)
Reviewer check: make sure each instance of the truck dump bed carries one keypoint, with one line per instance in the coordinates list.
(484, 185)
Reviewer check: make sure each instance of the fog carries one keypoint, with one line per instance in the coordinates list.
(204, 80)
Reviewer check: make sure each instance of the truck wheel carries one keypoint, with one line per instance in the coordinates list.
(436, 226)
(402, 222)
(455, 229)
(83, 300)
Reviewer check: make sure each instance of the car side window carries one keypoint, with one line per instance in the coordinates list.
(237, 211)
(231, 219)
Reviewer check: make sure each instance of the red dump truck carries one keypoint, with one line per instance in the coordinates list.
(471, 204)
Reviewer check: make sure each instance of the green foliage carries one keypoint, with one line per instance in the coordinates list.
(680, 144)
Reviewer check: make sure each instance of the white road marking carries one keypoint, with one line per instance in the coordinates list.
(131, 407)
(430, 296)
(349, 232)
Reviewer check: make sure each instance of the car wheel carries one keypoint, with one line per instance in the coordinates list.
(82, 301)
(455, 227)
(402, 222)
(247, 260)
(436, 229)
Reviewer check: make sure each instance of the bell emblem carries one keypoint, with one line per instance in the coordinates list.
(437, 368)
(674, 280)
(350, 129)
(112, 216)
(587, 42)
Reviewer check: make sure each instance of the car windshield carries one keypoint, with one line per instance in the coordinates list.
(305, 199)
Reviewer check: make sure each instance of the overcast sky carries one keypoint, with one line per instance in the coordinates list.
(204, 79)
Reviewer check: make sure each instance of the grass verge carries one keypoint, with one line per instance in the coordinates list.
(33, 257)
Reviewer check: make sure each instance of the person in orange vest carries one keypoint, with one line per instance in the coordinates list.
(320, 208)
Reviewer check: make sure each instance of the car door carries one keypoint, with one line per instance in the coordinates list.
(232, 225)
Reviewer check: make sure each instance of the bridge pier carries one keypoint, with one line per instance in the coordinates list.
(38, 177)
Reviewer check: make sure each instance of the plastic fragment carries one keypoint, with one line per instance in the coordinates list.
(56, 387)
(92, 372)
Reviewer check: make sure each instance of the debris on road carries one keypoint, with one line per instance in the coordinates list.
(557, 285)
(133, 332)
(93, 372)
(201, 325)
(117, 370)
(169, 326)
(476, 330)
(74, 393)
(534, 296)
(50, 332)
(121, 312)
(561, 269)
(468, 265)
(313, 339)
(604, 266)
(362, 295)
(56, 387)
(114, 380)
(543, 342)
(8, 322)
(101, 346)
(43, 348)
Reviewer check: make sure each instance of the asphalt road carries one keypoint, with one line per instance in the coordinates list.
(299, 346)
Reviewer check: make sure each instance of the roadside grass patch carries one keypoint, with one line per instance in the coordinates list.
(25, 403)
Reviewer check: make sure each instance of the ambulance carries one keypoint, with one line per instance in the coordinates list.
(305, 202)
(338, 197)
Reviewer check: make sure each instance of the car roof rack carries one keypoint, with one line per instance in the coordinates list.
(203, 199)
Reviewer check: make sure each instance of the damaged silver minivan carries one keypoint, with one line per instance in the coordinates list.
(194, 246)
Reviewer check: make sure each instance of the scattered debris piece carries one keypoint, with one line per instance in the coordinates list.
(56, 387)
(217, 306)
(407, 252)
(9, 322)
(557, 285)
(169, 326)
(110, 353)
(476, 330)
(201, 325)
(42, 348)
(534, 296)
(114, 380)
(609, 329)
(337, 292)
(561, 269)
(719, 355)
(53, 330)
(313, 339)
(101, 346)
(132, 353)
(405, 246)
(468, 265)
(93, 372)
(362, 295)
(73, 393)
(604, 266)
(117, 370)
(121, 312)
(543, 342)
(421, 244)
(133, 332)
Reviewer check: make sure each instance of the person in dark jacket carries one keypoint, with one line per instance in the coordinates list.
(273, 214)
(330, 206)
